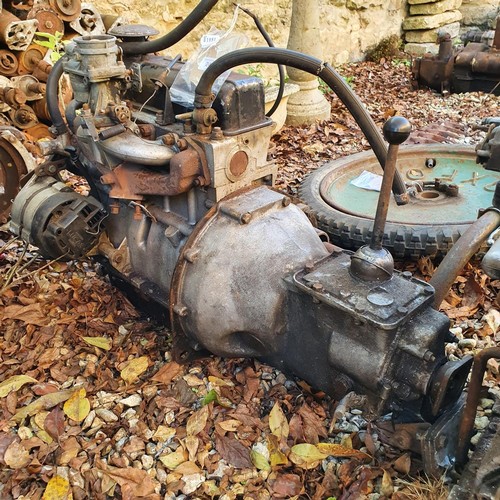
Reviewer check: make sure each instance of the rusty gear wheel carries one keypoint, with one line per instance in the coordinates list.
(433, 220)
(12, 169)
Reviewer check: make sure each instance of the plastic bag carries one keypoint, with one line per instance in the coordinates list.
(213, 45)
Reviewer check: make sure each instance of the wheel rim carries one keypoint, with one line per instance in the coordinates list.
(428, 208)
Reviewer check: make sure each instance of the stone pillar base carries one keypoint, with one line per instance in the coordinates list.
(308, 105)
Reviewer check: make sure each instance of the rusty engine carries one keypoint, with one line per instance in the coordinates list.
(475, 67)
(182, 207)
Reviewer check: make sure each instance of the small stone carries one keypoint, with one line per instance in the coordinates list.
(151, 448)
(161, 475)
(150, 391)
(147, 461)
(107, 415)
(359, 422)
(136, 464)
(475, 439)
(130, 413)
(267, 376)
(132, 400)
(467, 343)
(481, 423)
(486, 403)
(355, 411)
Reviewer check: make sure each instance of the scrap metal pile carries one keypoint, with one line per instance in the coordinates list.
(182, 209)
(32, 33)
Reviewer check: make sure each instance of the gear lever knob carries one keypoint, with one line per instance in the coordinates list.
(396, 130)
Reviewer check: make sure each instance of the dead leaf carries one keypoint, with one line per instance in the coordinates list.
(276, 456)
(229, 425)
(278, 422)
(286, 486)
(77, 407)
(54, 423)
(138, 480)
(134, 368)
(197, 421)
(101, 342)
(386, 488)
(16, 456)
(492, 317)
(14, 383)
(174, 459)
(57, 488)
(403, 464)
(46, 402)
(259, 460)
(337, 450)
(306, 455)
(167, 373)
(31, 314)
(233, 452)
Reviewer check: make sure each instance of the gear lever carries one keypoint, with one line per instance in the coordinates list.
(373, 262)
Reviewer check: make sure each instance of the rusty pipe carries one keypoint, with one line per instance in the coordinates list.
(467, 245)
(474, 391)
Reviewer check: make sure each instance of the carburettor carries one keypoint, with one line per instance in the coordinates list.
(180, 205)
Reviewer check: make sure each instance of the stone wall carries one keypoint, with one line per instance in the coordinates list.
(349, 27)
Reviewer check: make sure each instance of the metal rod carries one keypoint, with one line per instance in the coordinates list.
(384, 198)
(473, 395)
(461, 252)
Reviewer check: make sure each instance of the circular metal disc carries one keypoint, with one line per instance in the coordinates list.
(8, 63)
(133, 31)
(12, 168)
(48, 20)
(455, 164)
(68, 10)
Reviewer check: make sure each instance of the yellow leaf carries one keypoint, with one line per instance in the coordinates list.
(163, 433)
(174, 459)
(14, 383)
(276, 456)
(44, 402)
(306, 455)
(197, 421)
(219, 382)
(386, 488)
(135, 367)
(77, 407)
(337, 450)
(278, 422)
(101, 342)
(57, 488)
(259, 460)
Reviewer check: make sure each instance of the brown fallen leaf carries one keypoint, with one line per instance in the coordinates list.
(138, 480)
(31, 314)
(286, 486)
(167, 373)
(337, 450)
(233, 452)
(197, 421)
(54, 423)
(278, 422)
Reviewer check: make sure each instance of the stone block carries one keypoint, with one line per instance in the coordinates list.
(426, 9)
(419, 49)
(430, 36)
(418, 2)
(430, 22)
(480, 12)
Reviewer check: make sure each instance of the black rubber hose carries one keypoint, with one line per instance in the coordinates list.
(334, 80)
(52, 96)
(281, 68)
(171, 38)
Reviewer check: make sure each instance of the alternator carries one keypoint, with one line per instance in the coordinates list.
(60, 222)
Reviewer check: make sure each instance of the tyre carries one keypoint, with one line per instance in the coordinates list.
(429, 225)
